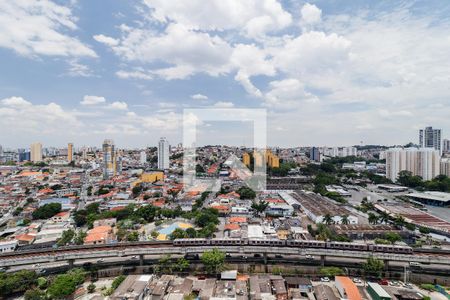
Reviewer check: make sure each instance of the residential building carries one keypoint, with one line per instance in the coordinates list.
(36, 152)
(347, 289)
(109, 159)
(163, 154)
(134, 287)
(8, 246)
(246, 159)
(445, 166)
(70, 152)
(377, 292)
(446, 146)
(143, 157)
(430, 138)
(23, 155)
(423, 162)
(314, 154)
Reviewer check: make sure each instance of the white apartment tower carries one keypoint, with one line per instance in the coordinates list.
(424, 162)
(143, 157)
(163, 154)
(36, 152)
(430, 138)
(445, 167)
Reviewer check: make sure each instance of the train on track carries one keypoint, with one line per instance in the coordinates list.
(294, 244)
(314, 244)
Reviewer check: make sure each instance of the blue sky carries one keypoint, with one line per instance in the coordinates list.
(329, 72)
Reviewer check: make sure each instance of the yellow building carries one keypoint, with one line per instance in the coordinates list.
(70, 152)
(273, 161)
(246, 159)
(152, 177)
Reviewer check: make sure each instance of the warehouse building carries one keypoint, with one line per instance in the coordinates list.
(377, 292)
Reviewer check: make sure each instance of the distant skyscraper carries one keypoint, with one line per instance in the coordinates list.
(70, 152)
(109, 159)
(430, 138)
(163, 154)
(36, 152)
(246, 159)
(446, 146)
(143, 157)
(23, 155)
(423, 162)
(1, 150)
(314, 154)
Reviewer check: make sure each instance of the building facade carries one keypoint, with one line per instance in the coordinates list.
(163, 154)
(70, 152)
(109, 159)
(424, 162)
(430, 138)
(36, 152)
(446, 146)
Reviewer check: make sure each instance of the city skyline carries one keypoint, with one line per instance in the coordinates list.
(319, 68)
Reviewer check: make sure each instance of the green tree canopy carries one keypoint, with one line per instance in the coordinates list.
(213, 261)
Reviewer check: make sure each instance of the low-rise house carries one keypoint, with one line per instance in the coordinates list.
(8, 246)
(134, 287)
(99, 235)
(61, 217)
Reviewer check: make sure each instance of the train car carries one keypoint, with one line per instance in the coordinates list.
(306, 243)
(391, 249)
(227, 242)
(266, 242)
(346, 246)
(191, 242)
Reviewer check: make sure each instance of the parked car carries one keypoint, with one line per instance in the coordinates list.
(357, 280)
(325, 279)
(383, 282)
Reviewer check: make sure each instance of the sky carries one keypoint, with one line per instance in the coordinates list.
(328, 72)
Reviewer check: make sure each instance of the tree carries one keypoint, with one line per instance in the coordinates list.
(328, 219)
(424, 230)
(345, 220)
(65, 284)
(399, 221)
(246, 193)
(384, 217)
(133, 236)
(331, 271)
(117, 281)
(34, 294)
(182, 264)
(373, 219)
(178, 234)
(165, 264)
(373, 266)
(136, 190)
(80, 217)
(213, 260)
(66, 237)
(260, 207)
(47, 211)
(392, 237)
(91, 288)
(79, 239)
(16, 282)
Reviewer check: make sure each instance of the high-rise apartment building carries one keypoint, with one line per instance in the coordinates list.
(423, 162)
(143, 157)
(446, 146)
(314, 154)
(246, 159)
(36, 152)
(109, 159)
(70, 152)
(1, 150)
(445, 166)
(163, 154)
(430, 138)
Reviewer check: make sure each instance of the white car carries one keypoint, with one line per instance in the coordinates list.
(357, 280)
(325, 279)
(309, 256)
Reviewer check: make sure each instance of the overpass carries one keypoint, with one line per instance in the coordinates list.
(26, 258)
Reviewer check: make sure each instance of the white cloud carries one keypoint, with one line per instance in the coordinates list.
(288, 94)
(106, 40)
(199, 97)
(34, 119)
(223, 104)
(119, 105)
(39, 28)
(255, 16)
(92, 100)
(77, 69)
(135, 74)
(310, 14)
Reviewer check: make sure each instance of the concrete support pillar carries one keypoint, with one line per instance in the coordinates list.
(322, 260)
(71, 262)
(265, 258)
(386, 265)
(141, 259)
